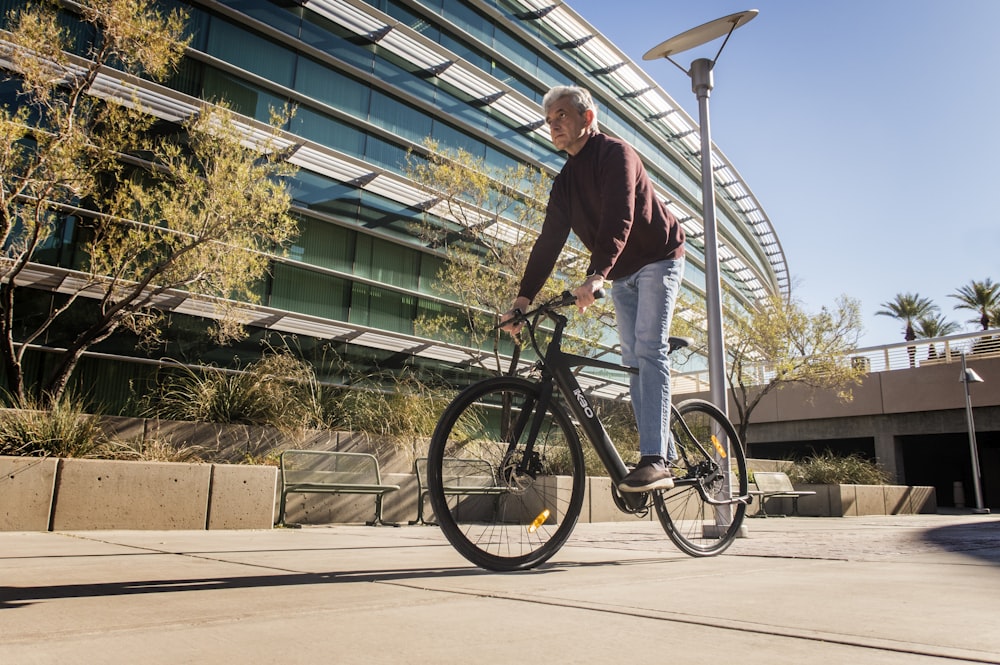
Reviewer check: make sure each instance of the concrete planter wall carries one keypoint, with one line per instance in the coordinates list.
(81, 494)
(26, 489)
(39, 494)
(858, 500)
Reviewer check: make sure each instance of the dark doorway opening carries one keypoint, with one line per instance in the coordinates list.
(863, 447)
(941, 460)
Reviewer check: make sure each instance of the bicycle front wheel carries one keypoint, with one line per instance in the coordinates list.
(505, 475)
(699, 514)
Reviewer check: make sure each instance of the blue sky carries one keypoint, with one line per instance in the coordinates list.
(869, 130)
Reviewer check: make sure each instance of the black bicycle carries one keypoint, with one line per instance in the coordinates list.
(505, 468)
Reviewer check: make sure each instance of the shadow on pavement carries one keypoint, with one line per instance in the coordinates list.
(980, 541)
(11, 597)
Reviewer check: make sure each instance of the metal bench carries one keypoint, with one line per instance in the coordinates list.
(327, 472)
(462, 477)
(771, 484)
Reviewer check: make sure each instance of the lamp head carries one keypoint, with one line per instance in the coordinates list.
(701, 35)
(969, 376)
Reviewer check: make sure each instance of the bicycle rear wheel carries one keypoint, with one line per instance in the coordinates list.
(506, 483)
(696, 525)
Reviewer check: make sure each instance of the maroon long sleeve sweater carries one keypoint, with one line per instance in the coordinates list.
(604, 195)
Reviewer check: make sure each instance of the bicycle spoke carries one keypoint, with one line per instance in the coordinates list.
(506, 495)
(698, 514)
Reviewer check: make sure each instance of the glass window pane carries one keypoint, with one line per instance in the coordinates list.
(381, 308)
(298, 290)
(406, 82)
(328, 37)
(468, 19)
(516, 51)
(449, 137)
(399, 118)
(324, 244)
(387, 155)
(331, 87)
(430, 267)
(388, 216)
(387, 262)
(328, 131)
(318, 192)
(254, 54)
(243, 97)
(284, 17)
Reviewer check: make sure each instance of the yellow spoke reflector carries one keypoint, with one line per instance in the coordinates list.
(718, 447)
(539, 521)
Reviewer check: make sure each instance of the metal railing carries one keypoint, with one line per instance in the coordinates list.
(885, 358)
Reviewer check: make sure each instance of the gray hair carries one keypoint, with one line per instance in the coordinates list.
(580, 97)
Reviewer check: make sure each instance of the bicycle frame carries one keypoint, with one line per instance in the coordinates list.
(529, 431)
(556, 366)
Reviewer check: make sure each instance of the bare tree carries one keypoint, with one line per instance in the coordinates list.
(779, 343)
(191, 210)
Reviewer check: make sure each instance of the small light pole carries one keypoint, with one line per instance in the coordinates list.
(969, 376)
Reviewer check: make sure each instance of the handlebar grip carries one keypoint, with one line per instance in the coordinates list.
(567, 297)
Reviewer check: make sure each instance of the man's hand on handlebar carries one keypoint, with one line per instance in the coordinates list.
(585, 295)
(517, 308)
(585, 292)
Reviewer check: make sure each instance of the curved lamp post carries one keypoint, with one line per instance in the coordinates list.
(701, 84)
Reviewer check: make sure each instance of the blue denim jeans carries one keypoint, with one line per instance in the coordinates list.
(644, 305)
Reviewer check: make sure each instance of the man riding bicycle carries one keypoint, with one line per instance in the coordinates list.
(604, 195)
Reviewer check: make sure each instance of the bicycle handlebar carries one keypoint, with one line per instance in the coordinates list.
(565, 299)
(530, 319)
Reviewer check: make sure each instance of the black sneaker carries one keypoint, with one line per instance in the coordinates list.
(651, 474)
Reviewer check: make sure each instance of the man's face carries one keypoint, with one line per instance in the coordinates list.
(568, 128)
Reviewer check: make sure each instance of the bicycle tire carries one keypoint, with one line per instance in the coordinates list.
(695, 526)
(521, 516)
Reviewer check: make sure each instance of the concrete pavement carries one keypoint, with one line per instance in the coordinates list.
(862, 590)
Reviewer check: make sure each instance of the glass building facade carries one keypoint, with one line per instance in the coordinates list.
(372, 81)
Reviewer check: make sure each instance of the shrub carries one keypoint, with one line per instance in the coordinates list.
(278, 390)
(63, 430)
(829, 469)
(410, 409)
(151, 450)
(619, 422)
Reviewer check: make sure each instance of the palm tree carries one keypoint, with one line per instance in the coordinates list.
(908, 307)
(981, 297)
(929, 327)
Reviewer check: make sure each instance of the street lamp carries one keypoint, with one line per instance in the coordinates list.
(969, 376)
(701, 84)
(700, 74)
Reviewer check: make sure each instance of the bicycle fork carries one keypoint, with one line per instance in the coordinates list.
(530, 415)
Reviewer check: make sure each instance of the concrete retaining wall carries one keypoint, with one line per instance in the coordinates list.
(40, 494)
(27, 485)
(858, 500)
